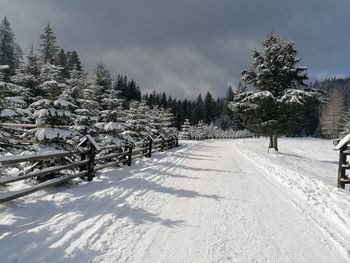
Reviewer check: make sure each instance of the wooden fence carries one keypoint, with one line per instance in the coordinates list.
(343, 146)
(201, 137)
(84, 163)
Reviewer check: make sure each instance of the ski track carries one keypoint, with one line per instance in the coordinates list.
(210, 201)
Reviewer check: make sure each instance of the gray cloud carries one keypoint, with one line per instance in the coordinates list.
(187, 46)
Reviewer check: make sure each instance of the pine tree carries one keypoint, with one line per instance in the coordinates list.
(87, 113)
(185, 130)
(209, 108)
(229, 94)
(61, 60)
(53, 113)
(198, 111)
(163, 100)
(112, 115)
(10, 52)
(160, 122)
(12, 111)
(137, 122)
(27, 75)
(242, 87)
(273, 109)
(132, 91)
(102, 80)
(73, 61)
(48, 45)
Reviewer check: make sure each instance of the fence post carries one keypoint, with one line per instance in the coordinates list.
(162, 146)
(89, 167)
(144, 145)
(341, 169)
(83, 167)
(149, 154)
(129, 155)
(91, 163)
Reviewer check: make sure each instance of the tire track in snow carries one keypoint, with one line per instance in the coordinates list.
(320, 207)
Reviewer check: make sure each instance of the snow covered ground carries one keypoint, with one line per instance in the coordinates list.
(209, 201)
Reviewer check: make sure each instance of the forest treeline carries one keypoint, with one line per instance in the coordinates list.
(27, 69)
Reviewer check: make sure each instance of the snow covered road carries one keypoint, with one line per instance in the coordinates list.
(203, 202)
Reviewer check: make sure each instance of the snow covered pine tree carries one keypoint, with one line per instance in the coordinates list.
(185, 130)
(274, 107)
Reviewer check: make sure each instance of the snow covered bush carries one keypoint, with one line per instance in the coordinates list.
(203, 131)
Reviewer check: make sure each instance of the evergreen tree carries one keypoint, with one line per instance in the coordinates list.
(229, 94)
(73, 61)
(209, 108)
(137, 122)
(87, 112)
(102, 80)
(27, 75)
(160, 122)
(185, 130)
(179, 114)
(132, 91)
(198, 111)
(274, 108)
(12, 111)
(61, 60)
(112, 116)
(163, 101)
(53, 113)
(10, 52)
(48, 47)
(242, 87)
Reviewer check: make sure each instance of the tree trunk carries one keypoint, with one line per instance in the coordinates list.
(275, 145)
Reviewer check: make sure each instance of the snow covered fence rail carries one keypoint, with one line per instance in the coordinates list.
(89, 158)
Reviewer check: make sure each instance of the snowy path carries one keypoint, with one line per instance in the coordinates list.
(204, 202)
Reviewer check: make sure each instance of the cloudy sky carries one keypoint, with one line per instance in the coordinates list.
(185, 47)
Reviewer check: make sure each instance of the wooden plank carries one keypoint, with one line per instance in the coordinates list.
(46, 171)
(139, 155)
(109, 147)
(112, 155)
(343, 141)
(5, 197)
(140, 149)
(100, 167)
(11, 159)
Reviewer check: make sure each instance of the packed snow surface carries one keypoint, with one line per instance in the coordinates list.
(209, 201)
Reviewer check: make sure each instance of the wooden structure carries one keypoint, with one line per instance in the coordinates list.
(343, 147)
(87, 160)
